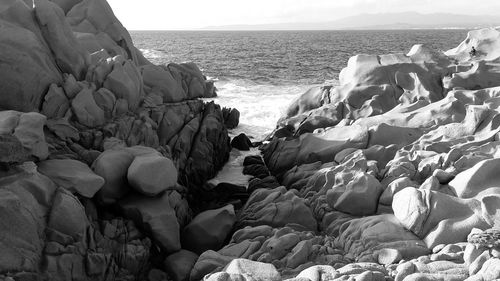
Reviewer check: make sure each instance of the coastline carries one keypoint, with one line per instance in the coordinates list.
(109, 163)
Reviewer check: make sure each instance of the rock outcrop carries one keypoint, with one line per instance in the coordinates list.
(100, 150)
(396, 166)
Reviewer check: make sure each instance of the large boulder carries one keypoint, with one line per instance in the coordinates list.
(180, 264)
(155, 216)
(151, 174)
(112, 165)
(73, 175)
(486, 42)
(276, 207)
(360, 196)
(24, 54)
(281, 155)
(29, 130)
(97, 18)
(438, 218)
(209, 230)
(86, 110)
(480, 180)
(68, 53)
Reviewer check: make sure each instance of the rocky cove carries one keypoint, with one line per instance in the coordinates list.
(105, 162)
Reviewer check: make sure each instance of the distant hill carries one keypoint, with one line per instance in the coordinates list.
(406, 20)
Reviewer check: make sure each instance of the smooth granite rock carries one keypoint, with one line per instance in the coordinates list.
(179, 264)
(73, 175)
(208, 230)
(151, 174)
(155, 216)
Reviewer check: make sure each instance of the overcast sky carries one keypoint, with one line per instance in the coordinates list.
(189, 14)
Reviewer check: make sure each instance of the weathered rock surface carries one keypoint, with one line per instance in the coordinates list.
(410, 142)
(57, 239)
(73, 175)
(128, 138)
(25, 53)
(180, 264)
(388, 176)
(209, 229)
(155, 216)
(151, 174)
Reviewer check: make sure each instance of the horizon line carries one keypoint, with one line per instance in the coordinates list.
(329, 29)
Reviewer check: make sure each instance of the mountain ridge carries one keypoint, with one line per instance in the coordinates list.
(402, 20)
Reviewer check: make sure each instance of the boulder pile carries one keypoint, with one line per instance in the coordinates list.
(104, 157)
(392, 175)
(101, 151)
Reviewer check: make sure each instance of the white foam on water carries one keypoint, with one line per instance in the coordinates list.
(151, 54)
(260, 106)
(232, 172)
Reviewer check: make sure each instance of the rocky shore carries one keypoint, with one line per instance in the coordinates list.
(105, 162)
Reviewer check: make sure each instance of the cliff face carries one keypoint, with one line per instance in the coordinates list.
(73, 85)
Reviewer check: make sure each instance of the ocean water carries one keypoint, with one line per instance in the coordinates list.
(261, 72)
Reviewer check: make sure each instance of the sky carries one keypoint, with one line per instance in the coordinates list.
(192, 14)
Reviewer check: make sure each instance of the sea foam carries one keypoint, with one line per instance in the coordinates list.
(260, 105)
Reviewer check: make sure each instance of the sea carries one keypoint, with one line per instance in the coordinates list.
(261, 72)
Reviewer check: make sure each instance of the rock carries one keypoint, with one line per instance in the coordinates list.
(299, 254)
(151, 174)
(311, 99)
(24, 54)
(208, 230)
(359, 198)
(276, 208)
(179, 265)
(69, 55)
(112, 165)
(484, 40)
(231, 117)
(55, 103)
(106, 100)
(489, 238)
(155, 216)
(490, 269)
(366, 237)
(477, 180)
(394, 187)
(388, 256)
(109, 32)
(268, 182)
(12, 150)
(257, 170)
(208, 262)
(450, 219)
(29, 131)
(281, 155)
(194, 83)
(241, 142)
(254, 270)
(318, 273)
(125, 82)
(209, 145)
(50, 224)
(253, 159)
(158, 78)
(73, 175)
(86, 109)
